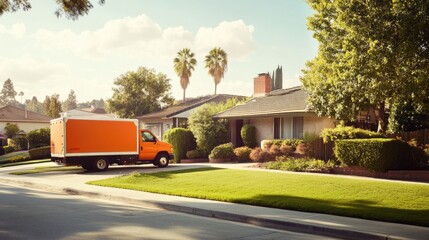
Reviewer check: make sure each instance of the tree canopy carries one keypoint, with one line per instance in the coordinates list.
(71, 102)
(8, 93)
(371, 53)
(72, 9)
(140, 92)
(217, 64)
(52, 106)
(184, 64)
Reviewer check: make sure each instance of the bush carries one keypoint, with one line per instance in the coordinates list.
(274, 152)
(379, 154)
(1, 150)
(346, 132)
(11, 130)
(259, 155)
(8, 149)
(223, 151)
(18, 143)
(287, 150)
(266, 144)
(242, 154)
(40, 153)
(248, 134)
(300, 164)
(194, 154)
(182, 140)
(39, 138)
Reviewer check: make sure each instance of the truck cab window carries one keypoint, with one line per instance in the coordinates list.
(147, 137)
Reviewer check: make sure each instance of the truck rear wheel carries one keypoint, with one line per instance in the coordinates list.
(101, 164)
(162, 160)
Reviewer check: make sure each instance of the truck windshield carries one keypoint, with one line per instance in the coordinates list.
(147, 137)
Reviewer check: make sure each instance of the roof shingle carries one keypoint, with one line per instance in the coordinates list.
(11, 113)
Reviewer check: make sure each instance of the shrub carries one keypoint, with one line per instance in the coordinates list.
(1, 150)
(300, 164)
(287, 150)
(293, 142)
(182, 140)
(266, 144)
(248, 134)
(223, 151)
(18, 143)
(379, 154)
(259, 155)
(39, 138)
(8, 149)
(242, 154)
(40, 153)
(346, 132)
(274, 152)
(194, 154)
(11, 130)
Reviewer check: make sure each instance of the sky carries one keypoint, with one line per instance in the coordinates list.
(45, 55)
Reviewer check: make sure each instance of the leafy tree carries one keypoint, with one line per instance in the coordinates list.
(217, 64)
(11, 130)
(405, 117)
(71, 102)
(8, 93)
(368, 56)
(140, 92)
(94, 103)
(34, 105)
(72, 9)
(52, 106)
(210, 132)
(21, 94)
(184, 64)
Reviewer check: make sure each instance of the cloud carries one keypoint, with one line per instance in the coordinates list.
(17, 30)
(142, 37)
(236, 38)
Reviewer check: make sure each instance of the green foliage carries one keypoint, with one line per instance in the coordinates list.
(406, 117)
(248, 134)
(8, 93)
(346, 132)
(184, 64)
(182, 140)
(71, 102)
(266, 144)
(210, 132)
(378, 154)
(242, 154)
(40, 153)
(11, 129)
(217, 64)
(223, 151)
(8, 149)
(39, 138)
(140, 92)
(1, 150)
(368, 56)
(194, 154)
(19, 143)
(34, 105)
(52, 106)
(300, 164)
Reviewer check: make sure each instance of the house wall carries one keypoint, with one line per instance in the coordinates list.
(163, 124)
(314, 124)
(25, 126)
(264, 128)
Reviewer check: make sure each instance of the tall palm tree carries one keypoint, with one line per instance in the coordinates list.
(217, 64)
(184, 64)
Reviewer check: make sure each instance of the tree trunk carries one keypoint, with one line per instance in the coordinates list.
(184, 95)
(381, 119)
(215, 88)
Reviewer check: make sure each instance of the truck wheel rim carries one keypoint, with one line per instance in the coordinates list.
(101, 164)
(163, 160)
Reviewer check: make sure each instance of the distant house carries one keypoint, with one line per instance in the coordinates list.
(88, 113)
(177, 115)
(278, 114)
(26, 120)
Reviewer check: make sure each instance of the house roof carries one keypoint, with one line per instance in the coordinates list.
(187, 105)
(282, 101)
(82, 113)
(11, 113)
(95, 110)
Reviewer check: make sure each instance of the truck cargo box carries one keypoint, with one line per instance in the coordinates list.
(74, 136)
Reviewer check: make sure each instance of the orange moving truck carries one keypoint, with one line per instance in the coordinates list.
(95, 144)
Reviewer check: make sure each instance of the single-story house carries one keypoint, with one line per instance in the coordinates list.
(177, 115)
(24, 119)
(278, 114)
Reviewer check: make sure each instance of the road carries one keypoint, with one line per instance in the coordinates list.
(33, 214)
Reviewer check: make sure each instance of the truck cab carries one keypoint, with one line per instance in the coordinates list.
(152, 149)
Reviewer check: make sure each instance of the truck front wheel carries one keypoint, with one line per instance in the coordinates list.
(101, 164)
(161, 160)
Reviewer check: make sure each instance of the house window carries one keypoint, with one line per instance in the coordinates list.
(277, 128)
(298, 127)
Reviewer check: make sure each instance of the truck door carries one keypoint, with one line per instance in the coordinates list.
(148, 146)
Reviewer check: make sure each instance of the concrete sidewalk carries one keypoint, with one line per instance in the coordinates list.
(319, 224)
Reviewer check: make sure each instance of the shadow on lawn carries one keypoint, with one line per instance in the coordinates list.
(360, 208)
(169, 173)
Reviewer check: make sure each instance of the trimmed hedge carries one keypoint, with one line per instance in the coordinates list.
(242, 154)
(248, 134)
(40, 153)
(39, 138)
(223, 151)
(194, 154)
(293, 142)
(182, 140)
(377, 154)
(347, 132)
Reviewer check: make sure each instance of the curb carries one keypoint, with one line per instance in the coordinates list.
(257, 221)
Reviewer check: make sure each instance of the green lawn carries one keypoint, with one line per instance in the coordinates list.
(46, 169)
(10, 157)
(361, 198)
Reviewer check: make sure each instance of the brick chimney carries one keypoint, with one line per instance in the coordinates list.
(262, 85)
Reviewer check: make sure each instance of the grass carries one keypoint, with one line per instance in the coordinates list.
(369, 199)
(24, 162)
(45, 170)
(14, 156)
